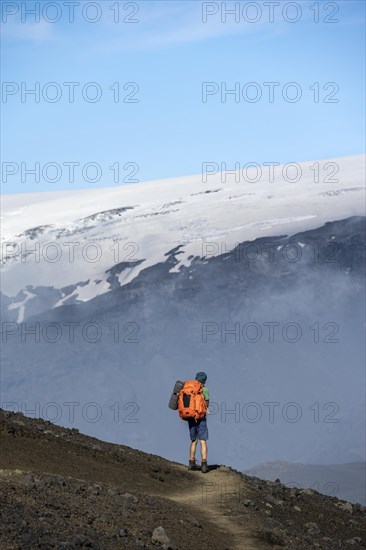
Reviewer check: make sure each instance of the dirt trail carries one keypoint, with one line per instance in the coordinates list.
(211, 495)
(60, 487)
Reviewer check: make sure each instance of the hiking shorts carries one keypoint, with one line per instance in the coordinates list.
(198, 429)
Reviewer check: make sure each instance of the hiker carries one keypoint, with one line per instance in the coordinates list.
(198, 430)
(191, 399)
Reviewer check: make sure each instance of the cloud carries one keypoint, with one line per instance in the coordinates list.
(162, 24)
(35, 32)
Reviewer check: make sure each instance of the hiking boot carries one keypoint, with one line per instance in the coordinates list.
(192, 465)
(204, 467)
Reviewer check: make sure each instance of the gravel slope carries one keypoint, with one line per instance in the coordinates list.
(62, 489)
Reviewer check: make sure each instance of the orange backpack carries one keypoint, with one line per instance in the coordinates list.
(191, 403)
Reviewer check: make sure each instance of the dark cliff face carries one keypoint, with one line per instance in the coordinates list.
(276, 323)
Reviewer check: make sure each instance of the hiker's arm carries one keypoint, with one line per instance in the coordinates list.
(206, 396)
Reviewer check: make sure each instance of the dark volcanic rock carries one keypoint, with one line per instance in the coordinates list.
(57, 493)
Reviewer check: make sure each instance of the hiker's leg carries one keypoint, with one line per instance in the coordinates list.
(192, 450)
(203, 444)
(202, 431)
(193, 436)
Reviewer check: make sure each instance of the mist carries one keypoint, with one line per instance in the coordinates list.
(279, 335)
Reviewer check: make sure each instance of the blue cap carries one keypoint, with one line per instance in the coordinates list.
(201, 377)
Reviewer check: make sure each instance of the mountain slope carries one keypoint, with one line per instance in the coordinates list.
(213, 316)
(68, 240)
(259, 284)
(346, 481)
(61, 489)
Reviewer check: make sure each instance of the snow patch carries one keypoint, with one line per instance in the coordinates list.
(163, 215)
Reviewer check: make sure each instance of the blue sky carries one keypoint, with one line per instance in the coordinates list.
(169, 52)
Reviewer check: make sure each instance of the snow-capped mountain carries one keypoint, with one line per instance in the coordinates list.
(73, 239)
(110, 295)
